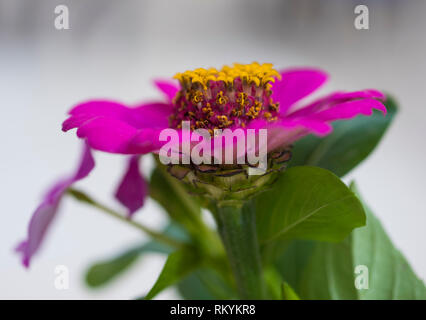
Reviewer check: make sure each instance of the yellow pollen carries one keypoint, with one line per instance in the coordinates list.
(260, 75)
(224, 122)
(258, 106)
(237, 112)
(197, 97)
(201, 123)
(274, 106)
(222, 118)
(242, 99)
(253, 112)
(220, 99)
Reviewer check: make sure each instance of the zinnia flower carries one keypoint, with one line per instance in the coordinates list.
(253, 96)
(243, 96)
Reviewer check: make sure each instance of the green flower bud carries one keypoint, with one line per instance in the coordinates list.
(230, 184)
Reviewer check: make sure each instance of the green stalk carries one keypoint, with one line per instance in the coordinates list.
(237, 228)
(160, 237)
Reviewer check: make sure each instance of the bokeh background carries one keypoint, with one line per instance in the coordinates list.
(115, 48)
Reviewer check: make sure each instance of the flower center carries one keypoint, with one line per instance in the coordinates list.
(229, 98)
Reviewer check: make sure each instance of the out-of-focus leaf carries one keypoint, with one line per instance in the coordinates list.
(205, 284)
(391, 277)
(288, 292)
(273, 281)
(174, 198)
(350, 142)
(178, 264)
(292, 262)
(329, 273)
(103, 272)
(308, 203)
(184, 209)
(334, 269)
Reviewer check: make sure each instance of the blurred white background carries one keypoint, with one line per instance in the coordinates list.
(115, 48)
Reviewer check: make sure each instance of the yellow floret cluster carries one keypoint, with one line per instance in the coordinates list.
(254, 73)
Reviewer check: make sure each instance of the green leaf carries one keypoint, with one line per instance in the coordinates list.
(391, 277)
(81, 196)
(350, 142)
(273, 281)
(103, 272)
(171, 194)
(308, 203)
(292, 262)
(184, 209)
(330, 273)
(288, 292)
(178, 265)
(205, 284)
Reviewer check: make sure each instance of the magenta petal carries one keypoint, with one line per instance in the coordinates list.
(316, 117)
(145, 141)
(46, 211)
(350, 109)
(115, 136)
(92, 109)
(168, 88)
(107, 134)
(151, 115)
(87, 163)
(296, 84)
(115, 128)
(336, 99)
(308, 125)
(40, 221)
(133, 188)
(286, 131)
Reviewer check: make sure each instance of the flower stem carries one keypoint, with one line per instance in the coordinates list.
(80, 196)
(237, 227)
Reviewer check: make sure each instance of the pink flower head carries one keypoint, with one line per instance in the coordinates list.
(252, 96)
